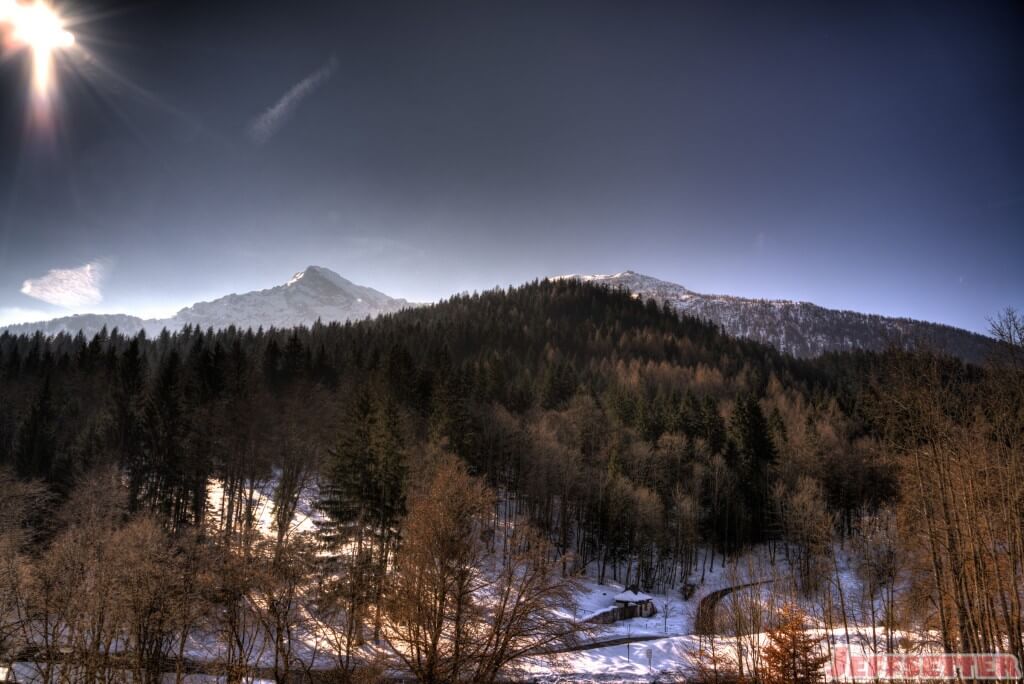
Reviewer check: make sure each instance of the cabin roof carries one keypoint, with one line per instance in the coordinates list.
(630, 596)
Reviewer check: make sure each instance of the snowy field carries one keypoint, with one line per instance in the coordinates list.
(659, 647)
(642, 649)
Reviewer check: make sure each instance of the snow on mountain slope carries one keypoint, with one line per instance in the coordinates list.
(802, 329)
(316, 293)
(90, 324)
(312, 294)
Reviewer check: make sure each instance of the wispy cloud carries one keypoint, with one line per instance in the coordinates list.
(267, 124)
(71, 288)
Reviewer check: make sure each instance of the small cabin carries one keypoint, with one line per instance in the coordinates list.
(632, 603)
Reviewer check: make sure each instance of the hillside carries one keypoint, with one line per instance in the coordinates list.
(802, 329)
(549, 432)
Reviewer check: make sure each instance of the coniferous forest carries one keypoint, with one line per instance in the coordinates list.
(502, 444)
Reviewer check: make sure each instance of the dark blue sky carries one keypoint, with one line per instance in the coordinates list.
(860, 155)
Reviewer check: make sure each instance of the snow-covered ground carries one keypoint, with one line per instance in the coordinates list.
(628, 650)
(655, 645)
(25, 674)
(658, 644)
(304, 520)
(594, 597)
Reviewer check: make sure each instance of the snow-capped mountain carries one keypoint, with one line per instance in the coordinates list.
(312, 294)
(798, 328)
(802, 329)
(316, 293)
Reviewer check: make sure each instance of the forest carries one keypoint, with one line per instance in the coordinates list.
(469, 461)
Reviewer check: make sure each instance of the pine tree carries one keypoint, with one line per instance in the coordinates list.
(348, 478)
(450, 418)
(37, 439)
(755, 452)
(363, 496)
(714, 426)
(792, 656)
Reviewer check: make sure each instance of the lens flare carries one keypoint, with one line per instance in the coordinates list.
(37, 27)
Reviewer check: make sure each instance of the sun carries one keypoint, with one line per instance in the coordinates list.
(37, 27)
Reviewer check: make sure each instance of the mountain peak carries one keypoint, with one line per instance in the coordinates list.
(633, 281)
(318, 272)
(316, 293)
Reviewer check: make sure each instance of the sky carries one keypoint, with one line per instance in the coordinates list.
(860, 155)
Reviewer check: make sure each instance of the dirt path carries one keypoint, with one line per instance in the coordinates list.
(704, 624)
(617, 641)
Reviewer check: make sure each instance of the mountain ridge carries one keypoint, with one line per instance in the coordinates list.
(315, 293)
(802, 329)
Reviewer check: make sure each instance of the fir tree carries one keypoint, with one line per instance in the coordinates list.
(792, 656)
(37, 442)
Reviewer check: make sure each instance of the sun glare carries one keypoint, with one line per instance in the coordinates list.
(37, 27)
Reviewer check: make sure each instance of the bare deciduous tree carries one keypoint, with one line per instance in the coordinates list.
(458, 613)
